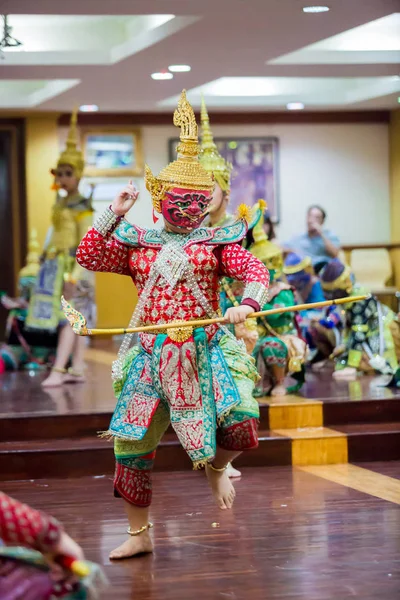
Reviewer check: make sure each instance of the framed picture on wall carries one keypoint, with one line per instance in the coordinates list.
(255, 173)
(112, 152)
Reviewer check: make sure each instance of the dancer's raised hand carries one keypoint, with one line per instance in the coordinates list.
(125, 200)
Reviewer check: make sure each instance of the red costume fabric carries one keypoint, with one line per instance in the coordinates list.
(98, 253)
(22, 525)
(211, 255)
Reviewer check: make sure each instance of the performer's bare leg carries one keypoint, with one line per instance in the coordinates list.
(78, 362)
(65, 346)
(221, 486)
(140, 544)
(279, 378)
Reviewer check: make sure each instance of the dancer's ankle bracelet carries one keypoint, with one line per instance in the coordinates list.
(217, 470)
(140, 530)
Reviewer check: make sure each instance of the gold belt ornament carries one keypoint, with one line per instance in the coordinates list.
(179, 334)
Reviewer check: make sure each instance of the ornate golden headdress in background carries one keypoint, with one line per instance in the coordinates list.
(268, 252)
(71, 155)
(210, 158)
(186, 172)
(31, 268)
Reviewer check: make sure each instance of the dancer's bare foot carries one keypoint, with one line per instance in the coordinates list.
(348, 373)
(134, 545)
(232, 472)
(74, 377)
(278, 390)
(221, 487)
(55, 379)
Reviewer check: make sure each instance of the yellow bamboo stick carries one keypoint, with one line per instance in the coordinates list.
(78, 322)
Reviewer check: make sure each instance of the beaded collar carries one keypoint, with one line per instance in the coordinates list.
(131, 235)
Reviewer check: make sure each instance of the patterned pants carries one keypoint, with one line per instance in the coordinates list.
(206, 387)
(274, 351)
(269, 352)
(135, 459)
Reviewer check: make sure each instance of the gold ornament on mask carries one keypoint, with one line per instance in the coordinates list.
(209, 157)
(343, 282)
(186, 172)
(31, 268)
(71, 155)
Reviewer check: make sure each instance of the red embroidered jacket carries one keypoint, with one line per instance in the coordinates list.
(21, 525)
(213, 253)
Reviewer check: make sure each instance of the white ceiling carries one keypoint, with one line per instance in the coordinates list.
(377, 42)
(244, 54)
(276, 92)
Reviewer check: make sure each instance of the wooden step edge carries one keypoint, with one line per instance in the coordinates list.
(89, 443)
(353, 429)
(93, 443)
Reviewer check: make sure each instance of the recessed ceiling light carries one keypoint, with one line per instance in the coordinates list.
(89, 108)
(315, 9)
(295, 106)
(162, 75)
(179, 68)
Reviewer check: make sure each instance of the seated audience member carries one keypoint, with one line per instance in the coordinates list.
(319, 243)
(369, 328)
(306, 285)
(300, 275)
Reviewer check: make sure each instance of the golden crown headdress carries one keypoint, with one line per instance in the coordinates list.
(186, 172)
(71, 155)
(210, 158)
(31, 268)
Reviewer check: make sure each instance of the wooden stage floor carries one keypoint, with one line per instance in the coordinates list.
(53, 432)
(291, 535)
(22, 395)
(311, 520)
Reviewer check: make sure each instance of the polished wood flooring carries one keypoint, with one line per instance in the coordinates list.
(292, 535)
(21, 394)
(53, 432)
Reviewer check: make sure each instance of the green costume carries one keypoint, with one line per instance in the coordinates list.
(279, 344)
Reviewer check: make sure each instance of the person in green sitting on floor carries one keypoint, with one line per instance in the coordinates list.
(279, 351)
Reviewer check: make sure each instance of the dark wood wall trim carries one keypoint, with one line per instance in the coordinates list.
(16, 247)
(234, 118)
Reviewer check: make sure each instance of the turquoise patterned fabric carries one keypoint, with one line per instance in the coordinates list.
(131, 235)
(221, 360)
